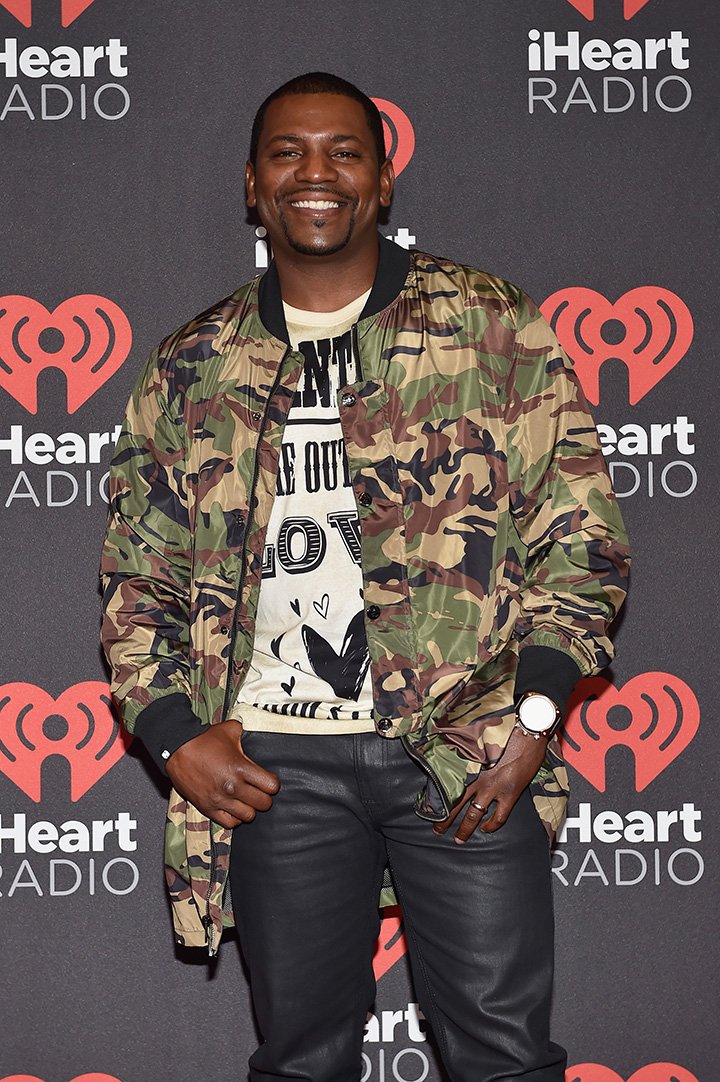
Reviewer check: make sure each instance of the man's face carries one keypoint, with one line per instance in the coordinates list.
(317, 185)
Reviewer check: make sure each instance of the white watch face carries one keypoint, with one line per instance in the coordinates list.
(537, 713)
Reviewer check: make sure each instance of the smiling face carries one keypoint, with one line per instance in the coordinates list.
(317, 184)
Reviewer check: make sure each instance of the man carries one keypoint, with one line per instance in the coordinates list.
(362, 544)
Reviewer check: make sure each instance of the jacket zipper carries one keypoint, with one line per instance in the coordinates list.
(241, 579)
(206, 919)
(431, 773)
(356, 350)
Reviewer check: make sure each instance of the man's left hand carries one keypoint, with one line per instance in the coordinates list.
(503, 783)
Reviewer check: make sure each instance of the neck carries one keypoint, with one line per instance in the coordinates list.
(324, 284)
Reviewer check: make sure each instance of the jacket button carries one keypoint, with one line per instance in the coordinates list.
(239, 517)
(383, 724)
(373, 612)
(256, 416)
(348, 400)
(365, 499)
(224, 629)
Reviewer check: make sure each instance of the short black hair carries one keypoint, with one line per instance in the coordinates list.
(322, 82)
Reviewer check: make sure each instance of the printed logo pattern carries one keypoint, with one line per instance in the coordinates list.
(87, 337)
(587, 7)
(652, 1072)
(655, 714)
(70, 10)
(650, 329)
(399, 134)
(391, 943)
(83, 730)
(79, 1078)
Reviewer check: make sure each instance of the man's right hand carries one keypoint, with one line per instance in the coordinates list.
(213, 772)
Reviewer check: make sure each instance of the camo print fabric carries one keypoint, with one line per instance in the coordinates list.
(492, 527)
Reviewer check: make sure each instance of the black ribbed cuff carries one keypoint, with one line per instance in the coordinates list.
(166, 725)
(551, 672)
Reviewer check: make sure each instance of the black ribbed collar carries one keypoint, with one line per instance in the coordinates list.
(392, 271)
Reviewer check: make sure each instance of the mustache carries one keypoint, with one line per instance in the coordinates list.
(305, 193)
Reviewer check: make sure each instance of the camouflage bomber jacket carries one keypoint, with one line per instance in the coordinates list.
(492, 542)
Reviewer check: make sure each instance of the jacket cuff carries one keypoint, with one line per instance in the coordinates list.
(551, 672)
(166, 725)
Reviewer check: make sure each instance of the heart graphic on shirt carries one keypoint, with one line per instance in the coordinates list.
(295, 606)
(288, 688)
(343, 671)
(322, 606)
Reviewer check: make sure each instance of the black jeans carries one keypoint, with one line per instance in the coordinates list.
(305, 879)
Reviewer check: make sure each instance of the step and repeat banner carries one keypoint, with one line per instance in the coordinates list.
(568, 145)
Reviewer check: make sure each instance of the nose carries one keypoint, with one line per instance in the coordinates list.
(316, 167)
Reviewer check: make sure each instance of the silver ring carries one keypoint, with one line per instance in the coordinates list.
(480, 807)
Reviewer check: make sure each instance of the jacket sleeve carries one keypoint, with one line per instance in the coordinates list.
(576, 556)
(145, 567)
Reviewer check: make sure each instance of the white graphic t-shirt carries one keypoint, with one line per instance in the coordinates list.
(310, 669)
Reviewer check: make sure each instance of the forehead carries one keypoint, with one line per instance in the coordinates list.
(313, 115)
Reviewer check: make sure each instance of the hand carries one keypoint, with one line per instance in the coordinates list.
(213, 772)
(502, 783)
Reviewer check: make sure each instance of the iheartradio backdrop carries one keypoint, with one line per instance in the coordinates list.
(565, 145)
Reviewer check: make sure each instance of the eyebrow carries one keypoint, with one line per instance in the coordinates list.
(299, 139)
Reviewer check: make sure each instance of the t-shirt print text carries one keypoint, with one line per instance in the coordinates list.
(329, 365)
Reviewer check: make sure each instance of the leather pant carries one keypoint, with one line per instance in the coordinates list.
(305, 879)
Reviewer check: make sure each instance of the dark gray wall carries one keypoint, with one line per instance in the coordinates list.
(147, 212)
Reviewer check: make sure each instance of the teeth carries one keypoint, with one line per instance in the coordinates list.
(315, 204)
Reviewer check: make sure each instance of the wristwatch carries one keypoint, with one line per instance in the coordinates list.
(537, 714)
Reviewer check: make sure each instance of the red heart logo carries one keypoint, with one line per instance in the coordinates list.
(399, 134)
(72, 9)
(79, 1078)
(631, 7)
(650, 329)
(92, 340)
(391, 944)
(22, 10)
(653, 1072)
(587, 7)
(92, 741)
(655, 714)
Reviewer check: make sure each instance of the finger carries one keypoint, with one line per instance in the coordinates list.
(471, 819)
(238, 797)
(251, 795)
(441, 827)
(498, 817)
(224, 819)
(257, 776)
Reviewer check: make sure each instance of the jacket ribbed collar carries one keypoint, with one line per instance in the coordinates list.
(390, 277)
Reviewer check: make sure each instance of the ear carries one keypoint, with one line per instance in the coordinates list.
(250, 185)
(387, 183)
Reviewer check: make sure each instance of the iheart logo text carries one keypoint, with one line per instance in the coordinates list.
(69, 12)
(653, 1072)
(87, 337)
(655, 714)
(649, 329)
(79, 725)
(587, 7)
(391, 944)
(399, 134)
